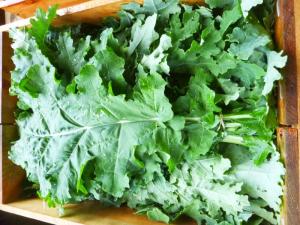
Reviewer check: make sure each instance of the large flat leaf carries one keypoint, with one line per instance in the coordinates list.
(106, 129)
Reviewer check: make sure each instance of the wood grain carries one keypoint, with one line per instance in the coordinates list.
(7, 3)
(27, 8)
(88, 213)
(288, 142)
(87, 11)
(286, 40)
(297, 27)
(11, 176)
(7, 103)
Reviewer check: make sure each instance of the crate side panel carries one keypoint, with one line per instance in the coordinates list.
(297, 15)
(7, 102)
(289, 146)
(11, 176)
(286, 40)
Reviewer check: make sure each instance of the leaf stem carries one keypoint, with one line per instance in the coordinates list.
(236, 117)
(193, 119)
(232, 125)
(232, 139)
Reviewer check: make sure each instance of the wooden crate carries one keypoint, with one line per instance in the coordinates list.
(91, 213)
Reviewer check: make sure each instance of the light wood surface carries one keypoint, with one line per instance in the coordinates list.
(88, 213)
(87, 11)
(7, 3)
(27, 8)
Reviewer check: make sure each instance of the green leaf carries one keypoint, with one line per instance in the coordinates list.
(71, 59)
(247, 41)
(107, 40)
(275, 61)
(248, 5)
(225, 197)
(157, 60)
(226, 62)
(170, 141)
(248, 73)
(156, 214)
(200, 99)
(260, 148)
(150, 7)
(111, 69)
(199, 54)
(263, 213)
(89, 81)
(41, 25)
(200, 139)
(74, 133)
(181, 30)
(197, 187)
(232, 90)
(142, 36)
(164, 8)
(258, 182)
(230, 17)
(194, 211)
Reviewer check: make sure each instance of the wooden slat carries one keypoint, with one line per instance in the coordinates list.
(90, 12)
(27, 8)
(7, 103)
(7, 3)
(89, 213)
(288, 143)
(11, 176)
(286, 39)
(297, 27)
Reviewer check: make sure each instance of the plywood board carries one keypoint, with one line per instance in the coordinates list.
(27, 8)
(89, 12)
(88, 213)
